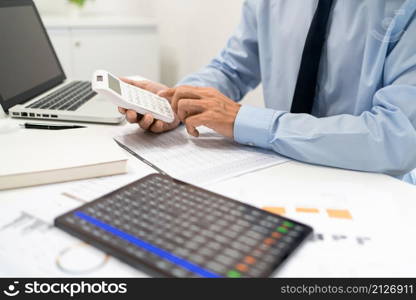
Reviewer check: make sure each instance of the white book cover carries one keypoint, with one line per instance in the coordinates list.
(35, 157)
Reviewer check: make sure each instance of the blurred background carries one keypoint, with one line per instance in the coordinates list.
(162, 40)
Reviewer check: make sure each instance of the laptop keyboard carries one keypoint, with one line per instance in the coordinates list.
(70, 97)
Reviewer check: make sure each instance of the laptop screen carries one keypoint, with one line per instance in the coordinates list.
(28, 64)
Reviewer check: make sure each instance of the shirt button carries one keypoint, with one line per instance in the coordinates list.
(251, 144)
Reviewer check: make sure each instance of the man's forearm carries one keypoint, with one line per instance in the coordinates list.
(377, 141)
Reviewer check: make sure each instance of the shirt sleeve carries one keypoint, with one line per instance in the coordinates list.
(382, 139)
(236, 70)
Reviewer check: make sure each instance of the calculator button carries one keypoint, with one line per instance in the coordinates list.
(240, 246)
(230, 233)
(197, 258)
(177, 272)
(242, 268)
(257, 253)
(269, 258)
(192, 245)
(225, 260)
(232, 253)
(260, 229)
(233, 274)
(163, 265)
(216, 267)
(221, 239)
(282, 229)
(182, 252)
(254, 235)
(255, 272)
(248, 241)
(200, 239)
(214, 246)
(276, 235)
(249, 260)
(207, 252)
(269, 241)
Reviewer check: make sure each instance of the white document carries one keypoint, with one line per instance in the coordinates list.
(32, 247)
(209, 158)
(359, 238)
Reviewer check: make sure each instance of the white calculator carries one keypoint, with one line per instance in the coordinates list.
(132, 97)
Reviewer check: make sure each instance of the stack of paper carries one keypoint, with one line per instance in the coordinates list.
(209, 158)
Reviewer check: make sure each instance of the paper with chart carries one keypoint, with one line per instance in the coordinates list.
(357, 230)
(35, 248)
(209, 158)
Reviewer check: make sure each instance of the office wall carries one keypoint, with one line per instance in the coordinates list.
(118, 7)
(192, 31)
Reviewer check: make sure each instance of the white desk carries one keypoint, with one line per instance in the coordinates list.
(381, 207)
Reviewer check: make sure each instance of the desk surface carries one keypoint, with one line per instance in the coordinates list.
(376, 217)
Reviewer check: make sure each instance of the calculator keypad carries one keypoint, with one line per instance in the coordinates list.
(147, 100)
(176, 220)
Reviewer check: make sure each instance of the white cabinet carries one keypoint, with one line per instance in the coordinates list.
(122, 46)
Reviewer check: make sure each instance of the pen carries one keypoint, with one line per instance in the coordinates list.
(50, 127)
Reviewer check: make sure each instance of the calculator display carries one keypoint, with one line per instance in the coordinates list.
(114, 84)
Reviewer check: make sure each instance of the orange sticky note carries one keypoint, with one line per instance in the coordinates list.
(275, 210)
(307, 210)
(339, 214)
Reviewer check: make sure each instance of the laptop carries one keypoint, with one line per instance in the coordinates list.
(33, 84)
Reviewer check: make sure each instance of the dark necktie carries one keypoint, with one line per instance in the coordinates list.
(308, 72)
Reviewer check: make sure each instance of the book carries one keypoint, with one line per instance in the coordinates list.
(37, 157)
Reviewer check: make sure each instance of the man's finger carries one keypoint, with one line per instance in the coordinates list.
(141, 84)
(158, 127)
(123, 111)
(131, 116)
(189, 107)
(168, 93)
(185, 92)
(126, 80)
(193, 122)
(146, 122)
(164, 93)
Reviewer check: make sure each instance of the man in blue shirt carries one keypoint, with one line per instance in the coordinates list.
(364, 105)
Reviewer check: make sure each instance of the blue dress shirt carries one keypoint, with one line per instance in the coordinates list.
(364, 115)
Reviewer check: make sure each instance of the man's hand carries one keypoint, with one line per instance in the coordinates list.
(197, 106)
(147, 122)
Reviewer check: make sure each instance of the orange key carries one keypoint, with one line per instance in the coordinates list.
(269, 241)
(241, 267)
(276, 235)
(250, 260)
